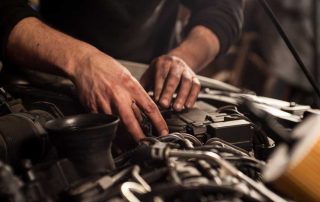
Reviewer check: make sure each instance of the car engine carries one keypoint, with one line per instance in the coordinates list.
(214, 152)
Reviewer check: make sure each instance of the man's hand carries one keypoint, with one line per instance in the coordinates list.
(170, 74)
(106, 86)
(103, 84)
(175, 72)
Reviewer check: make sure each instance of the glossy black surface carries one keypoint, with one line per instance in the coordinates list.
(82, 122)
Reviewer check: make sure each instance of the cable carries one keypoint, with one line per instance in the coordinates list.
(316, 31)
(287, 41)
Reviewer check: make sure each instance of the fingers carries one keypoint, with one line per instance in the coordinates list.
(172, 82)
(184, 91)
(192, 97)
(137, 112)
(104, 104)
(171, 73)
(112, 90)
(161, 75)
(145, 103)
(129, 119)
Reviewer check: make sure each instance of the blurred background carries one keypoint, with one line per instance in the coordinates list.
(260, 61)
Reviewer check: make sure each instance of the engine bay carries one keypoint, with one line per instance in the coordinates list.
(214, 152)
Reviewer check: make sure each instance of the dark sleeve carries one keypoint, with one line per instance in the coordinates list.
(11, 12)
(223, 17)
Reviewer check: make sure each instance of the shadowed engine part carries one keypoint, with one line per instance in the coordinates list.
(22, 136)
(85, 140)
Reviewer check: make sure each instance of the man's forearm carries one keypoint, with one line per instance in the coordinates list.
(198, 49)
(103, 84)
(34, 44)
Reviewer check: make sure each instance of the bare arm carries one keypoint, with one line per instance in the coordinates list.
(103, 84)
(198, 49)
(213, 26)
(36, 45)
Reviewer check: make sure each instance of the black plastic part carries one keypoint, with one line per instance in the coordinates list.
(85, 140)
(237, 132)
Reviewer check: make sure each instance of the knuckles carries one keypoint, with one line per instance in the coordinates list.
(125, 77)
(174, 76)
(150, 108)
(196, 83)
(187, 78)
